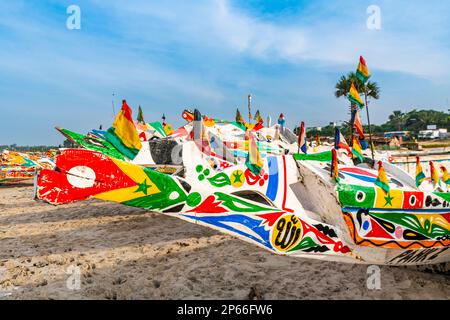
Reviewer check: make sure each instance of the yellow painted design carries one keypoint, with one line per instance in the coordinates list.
(120, 195)
(168, 129)
(237, 178)
(393, 199)
(286, 233)
(209, 122)
(434, 220)
(138, 175)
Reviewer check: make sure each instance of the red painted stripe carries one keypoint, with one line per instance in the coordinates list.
(358, 171)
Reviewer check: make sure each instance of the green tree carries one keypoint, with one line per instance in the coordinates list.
(68, 144)
(397, 119)
(343, 86)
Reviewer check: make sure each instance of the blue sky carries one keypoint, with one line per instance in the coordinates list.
(209, 54)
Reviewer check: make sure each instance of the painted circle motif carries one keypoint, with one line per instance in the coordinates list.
(237, 178)
(398, 232)
(81, 177)
(286, 233)
(366, 225)
(194, 199)
(360, 196)
(174, 195)
(412, 200)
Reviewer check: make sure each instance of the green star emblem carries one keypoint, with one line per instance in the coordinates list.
(388, 199)
(237, 177)
(143, 187)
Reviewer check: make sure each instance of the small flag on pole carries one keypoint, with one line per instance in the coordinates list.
(434, 174)
(281, 120)
(382, 180)
(354, 96)
(239, 118)
(123, 134)
(341, 143)
(362, 72)
(445, 176)
(420, 176)
(334, 165)
(357, 149)
(302, 138)
(258, 117)
(140, 116)
(254, 162)
(357, 124)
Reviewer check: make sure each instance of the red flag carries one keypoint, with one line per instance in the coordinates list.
(358, 125)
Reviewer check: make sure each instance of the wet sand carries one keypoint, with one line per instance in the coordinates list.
(128, 253)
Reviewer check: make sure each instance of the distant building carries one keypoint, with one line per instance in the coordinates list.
(433, 134)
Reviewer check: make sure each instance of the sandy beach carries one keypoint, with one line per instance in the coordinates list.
(128, 253)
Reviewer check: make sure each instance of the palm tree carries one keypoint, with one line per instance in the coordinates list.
(397, 118)
(343, 87)
(344, 84)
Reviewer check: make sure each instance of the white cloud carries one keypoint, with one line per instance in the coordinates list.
(334, 40)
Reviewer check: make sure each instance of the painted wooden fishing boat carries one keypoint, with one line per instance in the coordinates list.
(406, 160)
(292, 207)
(17, 167)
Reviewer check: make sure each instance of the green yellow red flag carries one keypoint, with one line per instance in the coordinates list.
(362, 72)
(123, 134)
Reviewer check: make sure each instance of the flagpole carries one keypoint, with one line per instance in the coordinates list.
(351, 123)
(249, 106)
(368, 121)
(114, 109)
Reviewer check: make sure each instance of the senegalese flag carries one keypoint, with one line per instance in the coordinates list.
(258, 117)
(140, 116)
(434, 174)
(382, 179)
(239, 118)
(168, 129)
(123, 134)
(420, 176)
(302, 138)
(354, 97)
(357, 124)
(254, 162)
(340, 142)
(362, 72)
(357, 149)
(445, 176)
(334, 165)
